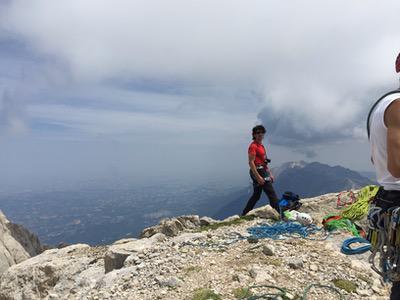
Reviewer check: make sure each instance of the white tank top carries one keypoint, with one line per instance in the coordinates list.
(378, 140)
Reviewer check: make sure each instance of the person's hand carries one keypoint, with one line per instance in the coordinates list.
(272, 178)
(260, 180)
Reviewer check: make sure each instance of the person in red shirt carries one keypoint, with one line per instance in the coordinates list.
(259, 172)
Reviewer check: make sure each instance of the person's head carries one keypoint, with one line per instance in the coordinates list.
(258, 132)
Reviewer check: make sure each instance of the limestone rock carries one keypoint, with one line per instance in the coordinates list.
(172, 226)
(268, 250)
(117, 253)
(260, 275)
(169, 282)
(16, 244)
(265, 212)
(188, 237)
(55, 271)
(231, 218)
(295, 263)
(204, 221)
(222, 260)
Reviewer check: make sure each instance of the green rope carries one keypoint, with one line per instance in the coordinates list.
(282, 292)
(345, 224)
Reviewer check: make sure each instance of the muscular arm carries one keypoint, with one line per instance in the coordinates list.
(392, 121)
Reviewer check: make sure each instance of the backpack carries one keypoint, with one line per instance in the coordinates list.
(289, 201)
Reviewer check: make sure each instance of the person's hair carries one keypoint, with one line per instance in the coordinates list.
(257, 128)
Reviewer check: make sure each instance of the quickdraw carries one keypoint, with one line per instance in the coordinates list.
(384, 236)
(343, 200)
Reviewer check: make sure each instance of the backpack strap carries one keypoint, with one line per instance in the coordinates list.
(374, 106)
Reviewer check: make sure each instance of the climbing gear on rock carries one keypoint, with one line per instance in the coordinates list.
(359, 208)
(346, 249)
(303, 218)
(282, 230)
(345, 198)
(289, 201)
(384, 236)
(333, 222)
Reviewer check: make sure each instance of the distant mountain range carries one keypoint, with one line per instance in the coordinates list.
(102, 215)
(305, 179)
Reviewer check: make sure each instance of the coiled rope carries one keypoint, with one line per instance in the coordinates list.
(283, 229)
(346, 249)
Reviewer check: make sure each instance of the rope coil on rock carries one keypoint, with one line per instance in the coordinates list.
(346, 249)
(283, 229)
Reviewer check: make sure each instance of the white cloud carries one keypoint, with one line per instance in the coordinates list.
(316, 60)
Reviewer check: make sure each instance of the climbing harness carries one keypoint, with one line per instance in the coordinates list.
(384, 236)
(346, 249)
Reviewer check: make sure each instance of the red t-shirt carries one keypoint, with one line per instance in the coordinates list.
(258, 150)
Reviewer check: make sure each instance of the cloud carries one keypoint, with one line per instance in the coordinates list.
(12, 120)
(314, 67)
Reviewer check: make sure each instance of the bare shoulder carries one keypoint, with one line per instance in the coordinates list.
(392, 114)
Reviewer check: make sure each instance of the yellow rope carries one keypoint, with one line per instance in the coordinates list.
(360, 208)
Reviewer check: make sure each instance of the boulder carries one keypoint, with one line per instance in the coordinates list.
(54, 272)
(188, 237)
(118, 252)
(265, 212)
(204, 221)
(16, 244)
(231, 218)
(172, 226)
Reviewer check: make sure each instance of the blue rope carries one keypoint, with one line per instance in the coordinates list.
(346, 249)
(277, 230)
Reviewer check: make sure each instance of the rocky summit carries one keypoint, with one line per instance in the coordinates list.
(189, 257)
(16, 244)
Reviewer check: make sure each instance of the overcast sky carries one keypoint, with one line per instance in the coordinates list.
(165, 89)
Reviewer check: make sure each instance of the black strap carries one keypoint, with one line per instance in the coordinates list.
(374, 106)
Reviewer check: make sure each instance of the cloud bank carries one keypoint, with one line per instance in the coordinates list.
(312, 65)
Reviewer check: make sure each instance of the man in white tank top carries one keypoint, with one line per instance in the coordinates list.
(384, 134)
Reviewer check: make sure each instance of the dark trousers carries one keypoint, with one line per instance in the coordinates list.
(268, 190)
(395, 293)
(386, 200)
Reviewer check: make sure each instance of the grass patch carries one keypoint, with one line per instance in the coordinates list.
(229, 223)
(192, 269)
(365, 278)
(205, 294)
(242, 293)
(344, 284)
(277, 262)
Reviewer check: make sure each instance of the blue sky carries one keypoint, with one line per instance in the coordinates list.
(152, 89)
